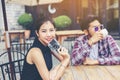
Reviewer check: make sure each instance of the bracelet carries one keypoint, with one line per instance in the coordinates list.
(63, 65)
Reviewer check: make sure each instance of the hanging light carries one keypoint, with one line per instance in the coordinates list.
(51, 10)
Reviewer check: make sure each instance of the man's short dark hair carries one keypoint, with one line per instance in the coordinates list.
(86, 21)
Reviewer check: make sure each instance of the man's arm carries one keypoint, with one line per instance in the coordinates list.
(80, 50)
(114, 51)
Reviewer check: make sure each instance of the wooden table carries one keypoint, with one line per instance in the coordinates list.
(16, 33)
(61, 35)
(12, 35)
(92, 73)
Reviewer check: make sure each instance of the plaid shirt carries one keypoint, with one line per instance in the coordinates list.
(108, 51)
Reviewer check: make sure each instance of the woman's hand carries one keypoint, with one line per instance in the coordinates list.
(64, 53)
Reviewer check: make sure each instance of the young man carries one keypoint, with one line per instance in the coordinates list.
(92, 48)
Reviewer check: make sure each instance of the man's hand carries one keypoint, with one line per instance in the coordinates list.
(96, 37)
(89, 61)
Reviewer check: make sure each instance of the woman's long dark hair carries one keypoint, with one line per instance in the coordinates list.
(42, 20)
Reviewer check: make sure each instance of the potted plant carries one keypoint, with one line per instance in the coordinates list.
(61, 22)
(26, 21)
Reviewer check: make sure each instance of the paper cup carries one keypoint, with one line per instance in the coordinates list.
(104, 32)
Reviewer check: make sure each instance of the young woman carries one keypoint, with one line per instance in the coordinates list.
(38, 60)
(92, 48)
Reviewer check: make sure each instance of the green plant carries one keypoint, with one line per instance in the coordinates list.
(62, 21)
(25, 20)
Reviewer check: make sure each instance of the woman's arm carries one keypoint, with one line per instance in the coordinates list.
(58, 71)
(36, 57)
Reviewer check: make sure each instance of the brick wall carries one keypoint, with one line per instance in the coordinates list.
(13, 12)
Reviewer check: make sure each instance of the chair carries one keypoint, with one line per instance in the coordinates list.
(69, 43)
(23, 48)
(15, 55)
(11, 62)
(11, 70)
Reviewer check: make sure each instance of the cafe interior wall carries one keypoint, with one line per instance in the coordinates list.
(64, 8)
(76, 10)
(79, 9)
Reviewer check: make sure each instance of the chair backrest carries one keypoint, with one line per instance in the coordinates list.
(69, 43)
(22, 48)
(11, 70)
(11, 62)
(15, 55)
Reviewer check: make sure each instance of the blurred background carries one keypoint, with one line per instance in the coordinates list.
(77, 10)
(18, 17)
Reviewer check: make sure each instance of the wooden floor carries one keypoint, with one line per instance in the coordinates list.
(92, 73)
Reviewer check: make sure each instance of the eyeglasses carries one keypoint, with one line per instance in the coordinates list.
(96, 28)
